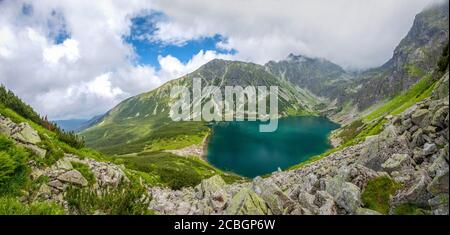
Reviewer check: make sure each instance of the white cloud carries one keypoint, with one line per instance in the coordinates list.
(352, 33)
(6, 42)
(68, 50)
(93, 68)
(102, 87)
(172, 68)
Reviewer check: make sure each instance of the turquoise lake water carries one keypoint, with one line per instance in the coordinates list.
(239, 147)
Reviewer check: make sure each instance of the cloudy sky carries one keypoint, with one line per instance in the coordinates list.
(77, 59)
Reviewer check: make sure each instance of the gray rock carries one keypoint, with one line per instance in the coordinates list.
(209, 186)
(416, 193)
(5, 126)
(439, 117)
(418, 156)
(396, 162)
(401, 177)
(438, 165)
(407, 124)
(429, 149)
(359, 175)
(64, 164)
(306, 200)
(74, 177)
(326, 204)
(24, 133)
(247, 202)
(44, 192)
(419, 117)
(350, 198)
(276, 199)
(36, 173)
(417, 138)
(218, 200)
(365, 211)
(440, 183)
(439, 204)
(57, 184)
(36, 150)
(346, 195)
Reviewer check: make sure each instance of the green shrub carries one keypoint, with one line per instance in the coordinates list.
(13, 167)
(376, 194)
(11, 206)
(7, 167)
(5, 143)
(126, 199)
(349, 132)
(85, 171)
(46, 208)
(174, 171)
(410, 209)
(54, 153)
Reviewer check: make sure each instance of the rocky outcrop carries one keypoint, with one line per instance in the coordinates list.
(22, 133)
(53, 181)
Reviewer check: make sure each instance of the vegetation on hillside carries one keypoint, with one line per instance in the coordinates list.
(174, 171)
(377, 193)
(13, 168)
(9, 100)
(125, 199)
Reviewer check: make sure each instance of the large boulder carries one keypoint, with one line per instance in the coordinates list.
(396, 162)
(74, 177)
(40, 152)
(359, 175)
(5, 126)
(64, 164)
(439, 204)
(275, 198)
(306, 200)
(209, 186)
(247, 202)
(416, 192)
(440, 183)
(24, 133)
(419, 117)
(325, 203)
(439, 117)
(212, 190)
(417, 138)
(346, 195)
(429, 149)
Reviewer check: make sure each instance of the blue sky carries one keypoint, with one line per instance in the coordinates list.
(76, 54)
(149, 50)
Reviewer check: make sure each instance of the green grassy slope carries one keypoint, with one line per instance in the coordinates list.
(142, 123)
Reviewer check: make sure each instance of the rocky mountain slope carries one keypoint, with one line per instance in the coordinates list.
(402, 170)
(321, 77)
(40, 176)
(412, 58)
